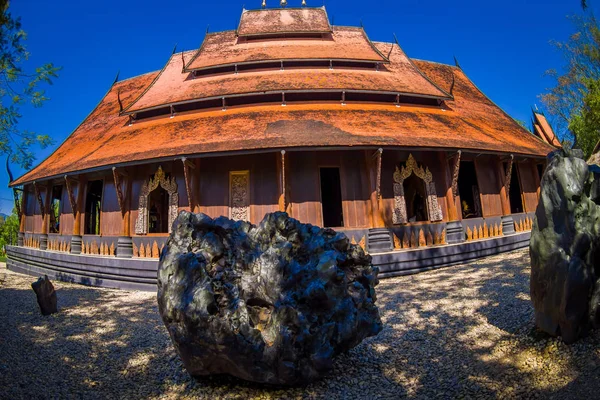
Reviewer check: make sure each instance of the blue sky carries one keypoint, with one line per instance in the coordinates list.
(502, 46)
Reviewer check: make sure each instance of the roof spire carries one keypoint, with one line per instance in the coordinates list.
(303, 3)
(283, 3)
(456, 63)
(264, 4)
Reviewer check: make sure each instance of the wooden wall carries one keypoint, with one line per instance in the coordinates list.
(210, 185)
(528, 179)
(489, 185)
(214, 184)
(303, 175)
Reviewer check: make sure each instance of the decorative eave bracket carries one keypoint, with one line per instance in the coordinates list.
(455, 175)
(188, 166)
(121, 197)
(72, 199)
(36, 189)
(509, 174)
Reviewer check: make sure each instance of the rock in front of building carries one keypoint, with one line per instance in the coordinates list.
(273, 303)
(565, 248)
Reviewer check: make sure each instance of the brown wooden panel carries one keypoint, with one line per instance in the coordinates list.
(528, 185)
(489, 187)
(214, 184)
(305, 195)
(110, 220)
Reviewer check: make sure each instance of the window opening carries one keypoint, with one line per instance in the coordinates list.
(55, 209)
(331, 197)
(93, 204)
(468, 190)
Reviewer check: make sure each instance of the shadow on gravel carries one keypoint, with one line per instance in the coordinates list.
(444, 335)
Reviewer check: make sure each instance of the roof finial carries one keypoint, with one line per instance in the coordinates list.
(283, 3)
(456, 63)
(303, 3)
(264, 4)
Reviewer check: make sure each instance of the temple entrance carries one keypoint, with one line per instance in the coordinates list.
(93, 204)
(415, 195)
(158, 211)
(55, 209)
(514, 194)
(331, 197)
(468, 189)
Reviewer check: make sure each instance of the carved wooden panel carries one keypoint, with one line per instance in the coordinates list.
(168, 184)
(239, 195)
(433, 207)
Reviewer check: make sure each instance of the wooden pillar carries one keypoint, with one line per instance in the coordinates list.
(126, 231)
(77, 231)
(197, 185)
(281, 182)
(188, 175)
(451, 178)
(536, 178)
(22, 216)
(373, 164)
(502, 178)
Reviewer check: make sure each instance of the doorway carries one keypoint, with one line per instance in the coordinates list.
(514, 194)
(93, 204)
(468, 189)
(331, 197)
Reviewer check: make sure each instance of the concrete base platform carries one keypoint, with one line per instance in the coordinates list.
(397, 263)
(141, 274)
(111, 272)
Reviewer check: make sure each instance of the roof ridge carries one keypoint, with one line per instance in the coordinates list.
(437, 62)
(76, 128)
(501, 109)
(364, 32)
(418, 70)
(152, 83)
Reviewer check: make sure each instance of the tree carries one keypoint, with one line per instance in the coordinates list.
(19, 86)
(570, 97)
(9, 230)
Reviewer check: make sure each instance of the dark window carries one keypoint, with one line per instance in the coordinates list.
(416, 199)
(93, 204)
(158, 211)
(331, 197)
(468, 189)
(55, 209)
(540, 170)
(516, 202)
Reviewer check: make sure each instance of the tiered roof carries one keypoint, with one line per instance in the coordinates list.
(456, 116)
(278, 21)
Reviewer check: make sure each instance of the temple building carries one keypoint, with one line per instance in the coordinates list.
(285, 113)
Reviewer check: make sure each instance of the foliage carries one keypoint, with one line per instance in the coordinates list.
(18, 87)
(574, 100)
(9, 230)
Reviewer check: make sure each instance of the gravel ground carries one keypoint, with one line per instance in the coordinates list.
(460, 332)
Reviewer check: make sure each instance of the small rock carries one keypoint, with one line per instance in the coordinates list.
(46, 296)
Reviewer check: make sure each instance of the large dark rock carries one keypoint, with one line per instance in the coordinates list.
(565, 248)
(271, 303)
(46, 296)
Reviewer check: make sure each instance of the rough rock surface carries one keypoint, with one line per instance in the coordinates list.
(565, 248)
(272, 303)
(46, 296)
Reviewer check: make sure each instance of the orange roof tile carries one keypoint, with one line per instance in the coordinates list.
(283, 20)
(547, 133)
(173, 86)
(471, 122)
(223, 48)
